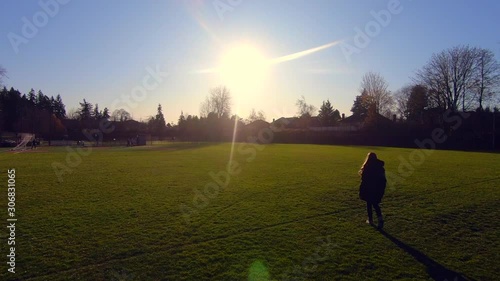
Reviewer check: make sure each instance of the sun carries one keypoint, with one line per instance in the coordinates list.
(243, 66)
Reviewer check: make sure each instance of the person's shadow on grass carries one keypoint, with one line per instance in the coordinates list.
(435, 270)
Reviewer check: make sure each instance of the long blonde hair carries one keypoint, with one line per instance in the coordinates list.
(370, 157)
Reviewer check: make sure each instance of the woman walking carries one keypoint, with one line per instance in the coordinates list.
(372, 186)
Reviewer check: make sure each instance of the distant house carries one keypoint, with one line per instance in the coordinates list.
(357, 122)
(253, 128)
(287, 123)
(352, 123)
(349, 124)
(257, 125)
(297, 122)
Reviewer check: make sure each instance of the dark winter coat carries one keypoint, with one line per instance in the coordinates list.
(373, 182)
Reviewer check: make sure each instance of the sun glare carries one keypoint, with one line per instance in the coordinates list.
(243, 66)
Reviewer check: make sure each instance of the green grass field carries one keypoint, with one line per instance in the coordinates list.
(289, 212)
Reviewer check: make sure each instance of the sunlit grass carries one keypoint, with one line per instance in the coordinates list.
(117, 215)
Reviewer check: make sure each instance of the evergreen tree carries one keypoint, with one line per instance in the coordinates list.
(85, 110)
(58, 107)
(159, 122)
(160, 119)
(361, 104)
(96, 114)
(43, 102)
(105, 113)
(32, 96)
(327, 115)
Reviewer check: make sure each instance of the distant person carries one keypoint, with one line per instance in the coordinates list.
(372, 186)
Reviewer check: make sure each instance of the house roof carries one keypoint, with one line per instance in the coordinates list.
(257, 124)
(361, 118)
(286, 120)
(353, 119)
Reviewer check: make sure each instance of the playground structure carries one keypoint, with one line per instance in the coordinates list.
(19, 142)
(25, 139)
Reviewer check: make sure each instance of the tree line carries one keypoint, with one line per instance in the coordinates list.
(458, 79)
(47, 118)
(461, 78)
(32, 112)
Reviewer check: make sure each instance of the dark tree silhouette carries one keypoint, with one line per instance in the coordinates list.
(105, 113)
(417, 102)
(58, 107)
(85, 111)
(361, 104)
(487, 76)
(459, 77)
(96, 114)
(327, 115)
(3, 73)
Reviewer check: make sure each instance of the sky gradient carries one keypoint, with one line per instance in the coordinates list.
(103, 51)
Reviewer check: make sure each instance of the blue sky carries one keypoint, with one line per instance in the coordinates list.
(102, 50)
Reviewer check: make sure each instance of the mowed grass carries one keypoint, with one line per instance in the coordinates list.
(291, 213)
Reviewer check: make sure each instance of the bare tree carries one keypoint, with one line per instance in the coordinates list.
(121, 115)
(73, 114)
(487, 76)
(401, 98)
(3, 73)
(206, 107)
(305, 109)
(218, 102)
(254, 116)
(449, 76)
(375, 87)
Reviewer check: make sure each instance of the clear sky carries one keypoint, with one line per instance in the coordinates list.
(104, 51)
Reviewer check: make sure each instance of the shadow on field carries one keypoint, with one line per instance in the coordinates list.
(435, 270)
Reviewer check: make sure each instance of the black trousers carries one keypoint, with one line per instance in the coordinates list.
(375, 206)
